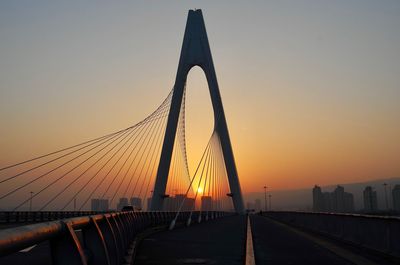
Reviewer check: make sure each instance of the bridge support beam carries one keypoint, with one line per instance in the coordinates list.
(196, 52)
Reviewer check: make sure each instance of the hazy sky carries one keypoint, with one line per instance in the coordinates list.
(311, 89)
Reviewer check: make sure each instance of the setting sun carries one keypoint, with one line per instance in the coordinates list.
(200, 190)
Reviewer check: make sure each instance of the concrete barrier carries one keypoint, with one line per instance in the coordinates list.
(377, 233)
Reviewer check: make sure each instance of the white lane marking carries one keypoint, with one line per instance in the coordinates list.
(27, 249)
(249, 245)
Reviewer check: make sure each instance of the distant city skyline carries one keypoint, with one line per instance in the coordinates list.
(301, 199)
(337, 201)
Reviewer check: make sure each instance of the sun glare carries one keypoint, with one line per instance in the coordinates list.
(200, 190)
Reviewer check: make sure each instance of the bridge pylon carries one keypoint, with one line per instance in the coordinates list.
(196, 52)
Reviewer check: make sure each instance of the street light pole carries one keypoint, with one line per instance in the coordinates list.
(265, 197)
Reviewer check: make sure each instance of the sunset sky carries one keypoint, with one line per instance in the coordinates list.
(311, 89)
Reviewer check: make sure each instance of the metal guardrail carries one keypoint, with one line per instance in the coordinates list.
(377, 233)
(9, 217)
(101, 239)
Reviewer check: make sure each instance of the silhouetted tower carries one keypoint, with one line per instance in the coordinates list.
(196, 52)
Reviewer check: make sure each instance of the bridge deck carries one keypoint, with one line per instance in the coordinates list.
(275, 244)
(223, 241)
(215, 242)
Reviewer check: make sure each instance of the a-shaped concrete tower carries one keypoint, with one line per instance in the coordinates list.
(196, 51)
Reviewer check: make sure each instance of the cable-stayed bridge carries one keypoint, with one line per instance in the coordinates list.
(142, 173)
(145, 162)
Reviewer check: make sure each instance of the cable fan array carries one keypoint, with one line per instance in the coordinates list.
(210, 183)
(115, 168)
(119, 169)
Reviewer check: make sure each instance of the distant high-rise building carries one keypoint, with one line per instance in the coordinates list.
(327, 205)
(187, 203)
(99, 205)
(348, 202)
(342, 201)
(170, 204)
(122, 202)
(370, 199)
(318, 200)
(336, 201)
(136, 203)
(396, 197)
(217, 205)
(206, 203)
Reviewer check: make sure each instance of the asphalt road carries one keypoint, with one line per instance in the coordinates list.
(219, 241)
(273, 244)
(277, 243)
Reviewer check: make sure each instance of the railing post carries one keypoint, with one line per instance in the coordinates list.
(110, 240)
(148, 218)
(136, 223)
(122, 228)
(94, 242)
(128, 224)
(156, 218)
(118, 234)
(66, 249)
(153, 218)
(127, 220)
(162, 218)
